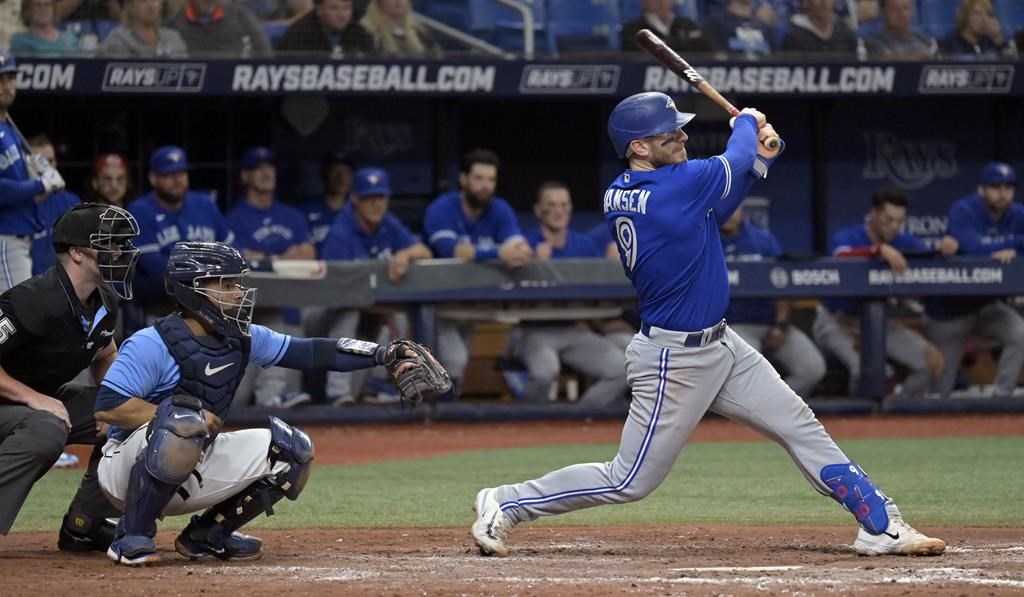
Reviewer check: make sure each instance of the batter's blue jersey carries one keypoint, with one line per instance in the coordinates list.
(271, 231)
(159, 229)
(446, 225)
(43, 255)
(664, 222)
(855, 237)
(319, 219)
(751, 244)
(576, 245)
(18, 215)
(978, 234)
(145, 369)
(348, 240)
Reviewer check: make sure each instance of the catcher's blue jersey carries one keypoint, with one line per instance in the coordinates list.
(665, 223)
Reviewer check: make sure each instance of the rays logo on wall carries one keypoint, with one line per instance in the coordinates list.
(907, 163)
(377, 138)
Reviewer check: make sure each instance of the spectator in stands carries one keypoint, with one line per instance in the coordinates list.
(330, 30)
(977, 35)
(141, 36)
(836, 325)
(42, 38)
(896, 40)
(542, 346)
(266, 229)
(10, 21)
(472, 224)
(167, 214)
(987, 222)
(765, 323)
(367, 230)
(680, 33)
(735, 29)
(216, 27)
(397, 31)
(817, 30)
(109, 183)
(336, 173)
(49, 208)
(776, 13)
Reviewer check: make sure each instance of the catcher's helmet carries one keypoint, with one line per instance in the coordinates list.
(643, 115)
(108, 230)
(190, 264)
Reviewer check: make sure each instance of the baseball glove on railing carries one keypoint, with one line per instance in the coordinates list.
(415, 371)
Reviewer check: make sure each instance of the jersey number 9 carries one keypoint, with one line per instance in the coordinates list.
(625, 236)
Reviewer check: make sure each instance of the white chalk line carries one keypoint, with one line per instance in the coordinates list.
(736, 569)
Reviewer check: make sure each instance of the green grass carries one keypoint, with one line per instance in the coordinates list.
(937, 482)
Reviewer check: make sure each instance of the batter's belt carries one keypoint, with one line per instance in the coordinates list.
(687, 339)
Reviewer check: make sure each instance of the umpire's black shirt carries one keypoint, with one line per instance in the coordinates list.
(47, 336)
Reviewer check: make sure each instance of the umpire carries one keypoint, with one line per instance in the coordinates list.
(52, 327)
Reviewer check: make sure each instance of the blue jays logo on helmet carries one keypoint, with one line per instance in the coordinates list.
(227, 308)
(643, 115)
(7, 63)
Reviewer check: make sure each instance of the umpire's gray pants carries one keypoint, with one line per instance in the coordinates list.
(804, 363)
(15, 261)
(544, 348)
(996, 320)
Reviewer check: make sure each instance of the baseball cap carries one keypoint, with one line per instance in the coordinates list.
(108, 160)
(256, 156)
(370, 182)
(7, 64)
(167, 160)
(997, 173)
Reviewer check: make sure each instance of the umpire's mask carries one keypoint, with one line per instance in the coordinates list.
(108, 230)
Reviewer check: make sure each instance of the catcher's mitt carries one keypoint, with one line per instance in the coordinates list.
(415, 371)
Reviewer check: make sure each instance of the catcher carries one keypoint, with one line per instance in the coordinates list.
(170, 388)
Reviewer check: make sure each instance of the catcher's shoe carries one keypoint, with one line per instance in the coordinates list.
(899, 538)
(133, 550)
(196, 542)
(490, 531)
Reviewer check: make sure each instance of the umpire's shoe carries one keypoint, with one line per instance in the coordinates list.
(898, 539)
(80, 533)
(490, 531)
(133, 550)
(197, 542)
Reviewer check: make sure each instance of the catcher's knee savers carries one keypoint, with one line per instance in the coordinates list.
(294, 447)
(852, 488)
(176, 437)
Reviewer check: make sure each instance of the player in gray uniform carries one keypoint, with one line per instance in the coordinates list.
(664, 212)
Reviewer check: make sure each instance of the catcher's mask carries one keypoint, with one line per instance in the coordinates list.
(108, 230)
(226, 305)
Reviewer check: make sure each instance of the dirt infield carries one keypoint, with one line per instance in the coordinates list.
(699, 560)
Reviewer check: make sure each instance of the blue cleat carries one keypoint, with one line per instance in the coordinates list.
(133, 550)
(196, 542)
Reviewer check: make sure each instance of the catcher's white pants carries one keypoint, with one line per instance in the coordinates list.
(231, 463)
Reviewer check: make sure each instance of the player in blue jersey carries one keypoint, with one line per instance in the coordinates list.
(988, 222)
(265, 228)
(365, 229)
(24, 180)
(168, 214)
(542, 346)
(472, 224)
(837, 320)
(50, 208)
(764, 323)
(168, 392)
(336, 172)
(664, 212)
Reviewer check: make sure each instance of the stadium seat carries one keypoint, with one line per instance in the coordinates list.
(274, 32)
(631, 9)
(1010, 14)
(580, 25)
(454, 13)
(937, 17)
(503, 26)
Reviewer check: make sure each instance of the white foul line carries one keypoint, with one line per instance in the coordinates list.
(736, 569)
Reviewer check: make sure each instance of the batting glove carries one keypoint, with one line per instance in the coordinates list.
(52, 180)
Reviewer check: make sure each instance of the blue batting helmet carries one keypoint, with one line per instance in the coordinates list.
(192, 262)
(7, 63)
(643, 115)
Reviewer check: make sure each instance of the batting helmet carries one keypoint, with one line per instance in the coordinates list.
(193, 262)
(108, 230)
(643, 115)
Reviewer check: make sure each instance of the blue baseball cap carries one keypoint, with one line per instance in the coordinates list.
(7, 64)
(167, 160)
(997, 173)
(256, 156)
(370, 182)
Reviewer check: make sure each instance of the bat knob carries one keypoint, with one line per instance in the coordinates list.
(772, 144)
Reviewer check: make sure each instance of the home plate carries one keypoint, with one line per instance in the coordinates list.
(737, 569)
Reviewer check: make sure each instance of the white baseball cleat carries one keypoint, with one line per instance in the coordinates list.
(899, 538)
(490, 531)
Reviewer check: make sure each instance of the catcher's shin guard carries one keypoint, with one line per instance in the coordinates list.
(852, 488)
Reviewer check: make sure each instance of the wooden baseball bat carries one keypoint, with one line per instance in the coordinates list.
(675, 63)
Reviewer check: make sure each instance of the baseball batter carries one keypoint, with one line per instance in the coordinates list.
(664, 212)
